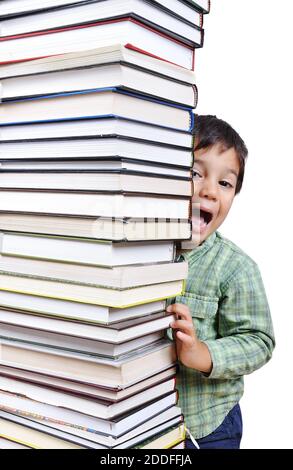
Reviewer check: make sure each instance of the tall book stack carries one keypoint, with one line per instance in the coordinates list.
(96, 111)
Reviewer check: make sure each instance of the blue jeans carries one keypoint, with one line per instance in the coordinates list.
(227, 436)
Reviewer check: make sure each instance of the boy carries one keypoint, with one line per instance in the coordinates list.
(223, 328)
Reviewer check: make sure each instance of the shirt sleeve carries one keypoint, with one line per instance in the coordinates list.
(246, 337)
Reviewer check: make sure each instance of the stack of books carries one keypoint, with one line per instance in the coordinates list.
(96, 115)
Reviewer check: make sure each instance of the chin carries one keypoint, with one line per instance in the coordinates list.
(205, 235)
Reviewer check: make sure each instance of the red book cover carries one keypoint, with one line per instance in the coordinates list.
(78, 27)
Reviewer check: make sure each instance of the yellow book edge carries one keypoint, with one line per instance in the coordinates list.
(180, 438)
(69, 299)
(24, 443)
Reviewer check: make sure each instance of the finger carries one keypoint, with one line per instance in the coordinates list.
(182, 325)
(185, 315)
(181, 310)
(185, 339)
(188, 319)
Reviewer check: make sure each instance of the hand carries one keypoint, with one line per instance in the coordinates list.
(190, 350)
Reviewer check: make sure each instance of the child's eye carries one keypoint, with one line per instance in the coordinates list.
(226, 184)
(195, 174)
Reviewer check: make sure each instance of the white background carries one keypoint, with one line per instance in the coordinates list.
(244, 75)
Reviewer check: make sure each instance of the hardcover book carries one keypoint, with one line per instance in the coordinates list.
(98, 228)
(128, 31)
(147, 12)
(76, 292)
(133, 79)
(10, 8)
(110, 395)
(100, 102)
(99, 128)
(115, 427)
(94, 370)
(90, 313)
(40, 434)
(41, 398)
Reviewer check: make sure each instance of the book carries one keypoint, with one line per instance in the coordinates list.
(121, 76)
(98, 205)
(136, 436)
(180, 445)
(111, 127)
(18, 8)
(115, 427)
(90, 369)
(21, 7)
(88, 252)
(98, 408)
(167, 434)
(118, 333)
(23, 435)
(112, 342)
(40, 432)
(85, 390)
(128, 32)
(64, 290)
(101, 102)
(8, 444)
(97, 154)
(97, 228)
(148, 12)
(121, 277)
(62, 342)
(37, 397)
(203, 5)
(118, 165)
(89, 313)
(141, 433)
(93, 181)
(166, 440)
(115, 54)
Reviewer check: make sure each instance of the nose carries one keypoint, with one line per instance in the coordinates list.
(206, 189)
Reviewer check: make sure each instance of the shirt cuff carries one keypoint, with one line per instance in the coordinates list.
(219, 370)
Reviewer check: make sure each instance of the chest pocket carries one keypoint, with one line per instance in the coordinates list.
(203, 311)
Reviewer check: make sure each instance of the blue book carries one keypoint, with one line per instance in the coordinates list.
(97, 103)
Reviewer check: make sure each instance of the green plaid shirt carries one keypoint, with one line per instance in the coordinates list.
(228, 304)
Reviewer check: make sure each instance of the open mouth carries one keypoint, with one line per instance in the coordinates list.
(205, 216)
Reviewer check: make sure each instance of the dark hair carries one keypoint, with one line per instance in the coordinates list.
(209, 130)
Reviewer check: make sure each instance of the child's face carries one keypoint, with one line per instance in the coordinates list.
(215, 174)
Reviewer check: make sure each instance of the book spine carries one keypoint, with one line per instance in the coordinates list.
(201, 20)
(195, 91)
(191, 126)
(193, 61)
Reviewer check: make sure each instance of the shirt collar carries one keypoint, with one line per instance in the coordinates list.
(201, 249)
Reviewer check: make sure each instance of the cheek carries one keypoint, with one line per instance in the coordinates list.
(226, 204)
